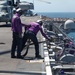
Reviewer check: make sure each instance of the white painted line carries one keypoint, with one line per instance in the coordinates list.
(47, 63)
(48, 70)
(36, 61)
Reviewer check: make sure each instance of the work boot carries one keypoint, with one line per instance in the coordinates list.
(38, 57)
(13, 56)
(20, 57)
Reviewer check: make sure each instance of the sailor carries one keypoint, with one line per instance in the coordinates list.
(17, 34)
(31, 33)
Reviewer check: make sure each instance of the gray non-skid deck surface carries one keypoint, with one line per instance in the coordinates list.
(9, 66)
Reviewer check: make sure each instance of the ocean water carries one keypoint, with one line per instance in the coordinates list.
(72, 35)
(61, 15)
(58, 14)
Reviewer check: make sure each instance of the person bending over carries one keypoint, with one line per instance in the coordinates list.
(31, 32)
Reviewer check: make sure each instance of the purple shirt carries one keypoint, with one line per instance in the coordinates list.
(16, 23)
(35, 27)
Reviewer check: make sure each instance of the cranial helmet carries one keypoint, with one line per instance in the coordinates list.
(18, 10)
(40, 22)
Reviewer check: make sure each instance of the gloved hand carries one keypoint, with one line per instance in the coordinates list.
(52, 38)
(49, 39)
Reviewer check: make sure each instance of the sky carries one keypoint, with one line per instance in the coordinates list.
(54, 6)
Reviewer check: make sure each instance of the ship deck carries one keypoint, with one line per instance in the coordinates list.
(10, 66)
(28, 66)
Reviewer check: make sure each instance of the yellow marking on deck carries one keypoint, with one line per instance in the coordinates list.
(35, 61)
(27, 60)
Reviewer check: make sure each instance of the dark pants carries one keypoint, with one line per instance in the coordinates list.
(30, 35)
(16, 44)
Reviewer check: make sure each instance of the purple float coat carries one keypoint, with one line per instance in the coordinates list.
(35, 27)
(16, 24)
